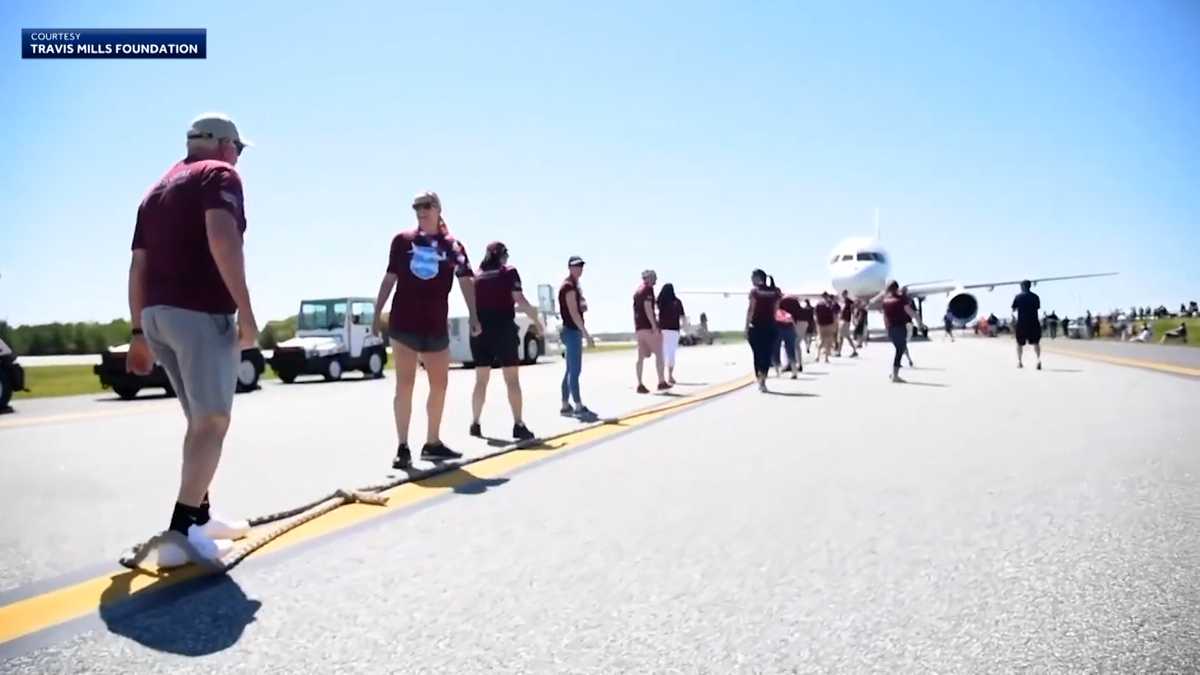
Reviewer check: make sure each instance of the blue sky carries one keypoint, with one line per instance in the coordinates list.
(999, 140)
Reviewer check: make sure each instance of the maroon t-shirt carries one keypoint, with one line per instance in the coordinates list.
(791, 305)
(640, 320)
(425, 267)
(824, 313)
(894, 310)
(569, 285)
(670, 314)
(806, 314)
(765, 302)
(180, 271)
(494, 292)
(848, 311)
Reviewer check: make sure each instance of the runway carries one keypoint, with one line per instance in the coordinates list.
(979, 519)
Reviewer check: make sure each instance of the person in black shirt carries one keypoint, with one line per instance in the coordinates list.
(1028, 328)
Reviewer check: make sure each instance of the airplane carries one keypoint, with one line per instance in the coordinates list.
(862, 267)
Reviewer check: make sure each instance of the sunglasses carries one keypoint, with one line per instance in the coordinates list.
(423, 206)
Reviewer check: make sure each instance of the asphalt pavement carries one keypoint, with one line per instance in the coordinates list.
(979, 519)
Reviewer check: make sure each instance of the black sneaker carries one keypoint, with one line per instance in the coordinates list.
(403, 457)
(583, 411)
(642, 389)
(522, 433)
(438, 452)
(566, 410)
(476, 431)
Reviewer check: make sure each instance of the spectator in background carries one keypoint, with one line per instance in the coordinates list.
(1146, 335)
(1052, 324)
(1179, 333)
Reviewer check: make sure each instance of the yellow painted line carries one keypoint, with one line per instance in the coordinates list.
(136, 409)
(37, 613)
(1123, 361)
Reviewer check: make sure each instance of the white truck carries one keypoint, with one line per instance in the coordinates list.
(332, 337)
(530, 344)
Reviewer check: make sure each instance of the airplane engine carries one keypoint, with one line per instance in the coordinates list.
(963, 305)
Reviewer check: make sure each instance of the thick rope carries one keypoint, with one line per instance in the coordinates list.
(288, 520)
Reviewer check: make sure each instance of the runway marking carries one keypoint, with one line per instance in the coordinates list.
(55, 607)
(74, 417)
(1133, 363)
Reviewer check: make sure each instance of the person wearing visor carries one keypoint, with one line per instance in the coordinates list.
(497, 290)
(573, 306)
(191, 312)
(422, 266)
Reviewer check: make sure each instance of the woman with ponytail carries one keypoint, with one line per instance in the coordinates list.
(760, 323)
(421, 268)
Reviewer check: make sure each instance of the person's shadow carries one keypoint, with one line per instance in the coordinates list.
(192, 617)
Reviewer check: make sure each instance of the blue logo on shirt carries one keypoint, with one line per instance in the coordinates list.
(425, 261)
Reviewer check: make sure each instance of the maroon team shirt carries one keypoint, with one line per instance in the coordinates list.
(824, 313)
(670, 314)
(494, 292)
(765, 302)
(425, 267)
(894, 310)
(791, 305)
(569, 285)
(848, 311)
(640, 320)
(180, 271)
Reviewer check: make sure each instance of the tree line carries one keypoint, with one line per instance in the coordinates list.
(91, 337)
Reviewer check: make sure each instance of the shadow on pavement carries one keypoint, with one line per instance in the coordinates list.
(463, 482)
(194, 618)
(140, 397)
(692, 384)
(927, 384)
(1061, 370)
(938, 370)
(797, 394)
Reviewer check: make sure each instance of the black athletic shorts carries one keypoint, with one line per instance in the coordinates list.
(422, 344)
(1028, 334)
(496, 346)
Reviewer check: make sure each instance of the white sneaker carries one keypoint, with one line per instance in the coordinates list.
(173, 551)
(220, 527)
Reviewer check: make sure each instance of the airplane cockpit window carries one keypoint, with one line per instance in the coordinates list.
(865, 255)
(847, 257)
(880, 258)
(835, 259)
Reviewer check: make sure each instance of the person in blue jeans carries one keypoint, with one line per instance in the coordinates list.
(573, 306)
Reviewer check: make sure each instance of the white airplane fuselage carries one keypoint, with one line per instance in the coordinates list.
(860, 265)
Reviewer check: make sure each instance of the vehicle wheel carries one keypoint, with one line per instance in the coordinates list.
(533, 349)
(127, 392)
(374, 366)
(247, 376)
(286, 376)
(5, 391)
(333, 370)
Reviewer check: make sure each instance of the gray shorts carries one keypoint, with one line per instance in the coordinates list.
(199, 353)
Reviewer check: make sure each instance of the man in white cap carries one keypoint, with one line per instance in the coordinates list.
(186, 281)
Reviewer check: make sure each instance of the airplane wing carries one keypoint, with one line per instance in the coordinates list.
(810, 291)
(933, 288)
